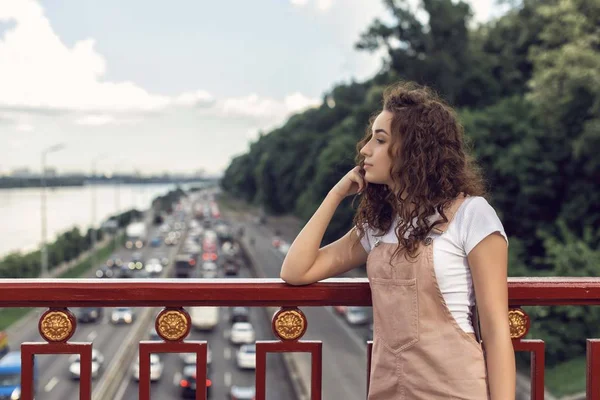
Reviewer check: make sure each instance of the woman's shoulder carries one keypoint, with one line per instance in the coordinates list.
(475, 205)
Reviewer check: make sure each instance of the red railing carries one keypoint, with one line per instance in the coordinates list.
(57, 325)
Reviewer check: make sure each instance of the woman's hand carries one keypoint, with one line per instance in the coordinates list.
(352, 183)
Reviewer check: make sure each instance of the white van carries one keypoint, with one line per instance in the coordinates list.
(204, 318)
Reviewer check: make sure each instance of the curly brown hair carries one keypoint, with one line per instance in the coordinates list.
(431, 167)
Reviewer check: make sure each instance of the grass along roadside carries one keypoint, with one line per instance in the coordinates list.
(230, 203)
(566, 378)
(9, 316)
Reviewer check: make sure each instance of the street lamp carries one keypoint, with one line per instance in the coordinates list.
(117, 199)
(44, 252)
(93, 187)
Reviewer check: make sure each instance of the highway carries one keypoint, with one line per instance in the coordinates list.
(55, 382)
(344, 356)
(344, 346)
(223, 368)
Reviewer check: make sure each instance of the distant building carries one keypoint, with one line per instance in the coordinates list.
(23, 172)
(51, 172)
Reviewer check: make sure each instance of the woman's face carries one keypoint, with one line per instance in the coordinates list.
(377, 159)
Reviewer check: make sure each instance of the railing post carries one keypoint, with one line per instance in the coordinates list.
(593, 369)
(289, 325)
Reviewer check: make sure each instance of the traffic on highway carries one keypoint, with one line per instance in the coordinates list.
(194, 241)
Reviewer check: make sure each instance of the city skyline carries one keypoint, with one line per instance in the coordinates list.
(138, 85)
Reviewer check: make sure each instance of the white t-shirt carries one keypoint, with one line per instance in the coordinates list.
(474, 221)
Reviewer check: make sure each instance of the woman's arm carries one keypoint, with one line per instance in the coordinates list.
(489, 263)
(305, 263)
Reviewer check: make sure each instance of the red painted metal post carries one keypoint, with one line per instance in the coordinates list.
(192, 346)
(27, 389)
(369, 354)
(314, 347)
(537, 349)
(144, 372)
(29, 350)
(317, 370)
(593, 369)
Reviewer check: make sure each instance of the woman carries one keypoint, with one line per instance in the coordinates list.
(434, 248)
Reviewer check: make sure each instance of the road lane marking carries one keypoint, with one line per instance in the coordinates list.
(51, 383)
(122, 389)
(227, 379)
(227, 353)
(92, 336)
(226, 334)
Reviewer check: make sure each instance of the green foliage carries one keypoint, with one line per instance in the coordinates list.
(68, 245)
(527, 87)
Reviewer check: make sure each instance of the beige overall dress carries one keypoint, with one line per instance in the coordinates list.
(419, 351)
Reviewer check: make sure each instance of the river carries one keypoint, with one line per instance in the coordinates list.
(67, 207)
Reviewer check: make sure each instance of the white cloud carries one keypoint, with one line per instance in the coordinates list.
(324, 5)
(38, 73)
(299, 3)
(483, 10)
(321, 5)
(37, 70)
(267, 108)
(200, 97)
(24, 127)
(16, 144)
(252, 134)
(95, 120)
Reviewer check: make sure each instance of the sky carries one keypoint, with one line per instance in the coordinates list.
(154, 86)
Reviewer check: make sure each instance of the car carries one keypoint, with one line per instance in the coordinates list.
(156, 241)
(188, 382)
(171, 239)
(358, 315)
(184, 265)
(239, 314)
(230, 269)
(242, 392)
(162, 257)
(104, 272)
(210, 255)
(242, 332)
(114, 261)
(153, 267)
(122, 315)
(209, 270)
(190, 358)
(276, 242)
(284, 247)
(88, 314)
(75, 364)
(158, 219)
(125, 272)
(246, 356)
(340, 310)
(156, 368)
(164, 228)
(135, 265)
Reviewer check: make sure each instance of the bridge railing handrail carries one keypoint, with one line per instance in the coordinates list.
(528, 291)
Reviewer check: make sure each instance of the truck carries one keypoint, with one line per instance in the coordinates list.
(204, 318)
(135, 235)
(10, 376)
